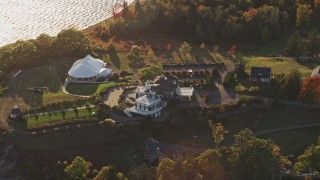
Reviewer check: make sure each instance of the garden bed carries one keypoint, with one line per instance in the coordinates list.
(47, 118)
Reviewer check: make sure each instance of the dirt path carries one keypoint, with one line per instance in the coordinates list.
(268, 131)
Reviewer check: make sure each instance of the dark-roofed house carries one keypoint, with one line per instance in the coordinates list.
(16, 113)
(154, 95)
(151, 150)
(261, 75)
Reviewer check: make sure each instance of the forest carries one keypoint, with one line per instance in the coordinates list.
(215, 21)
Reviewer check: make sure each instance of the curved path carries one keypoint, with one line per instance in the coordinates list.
(259, 133)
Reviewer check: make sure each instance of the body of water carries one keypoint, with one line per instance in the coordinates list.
(26, 19)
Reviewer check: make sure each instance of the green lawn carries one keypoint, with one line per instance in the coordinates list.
(88, 89)
(285, 66)
(294, 141)
(291, 141)
(287, 117)
(45, 118)
(52, 77)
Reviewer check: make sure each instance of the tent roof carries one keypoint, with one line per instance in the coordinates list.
(86, 67)
(105, 71)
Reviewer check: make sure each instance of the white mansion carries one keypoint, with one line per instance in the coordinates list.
(153, 96)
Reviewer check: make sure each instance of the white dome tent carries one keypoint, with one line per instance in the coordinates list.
(88, 69)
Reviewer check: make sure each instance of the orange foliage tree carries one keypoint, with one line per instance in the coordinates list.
(310, 91)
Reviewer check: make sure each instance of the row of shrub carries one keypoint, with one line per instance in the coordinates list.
(186, 74)
(193, 64)
(59, 106)
(101, 124)
(62, 123)
(243, 103)
(194, 83)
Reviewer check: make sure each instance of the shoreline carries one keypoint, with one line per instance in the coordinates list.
(83, 27)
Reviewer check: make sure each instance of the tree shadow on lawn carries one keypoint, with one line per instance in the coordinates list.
(310, 65)
(204, 56)
(137, 63)
(115, 59)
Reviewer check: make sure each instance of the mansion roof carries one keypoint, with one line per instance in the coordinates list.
(148, 100)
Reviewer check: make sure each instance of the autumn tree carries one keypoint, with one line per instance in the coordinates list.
(310, 91)
(185, 49)
(304, 12)
(165, 170)
(79, 169)
(151, 54)
(209, 165)
(109, 173)
(309, 162)
(217, 132)
(149, 72)
(142, 173)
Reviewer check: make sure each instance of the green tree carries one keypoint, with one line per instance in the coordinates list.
(24, 52)
(304, 12)
(313, 42)
(72, 42)
(209, 81)
(308, 162)
(265, 34)
(79, 169)
(258, 159)
(242, 137)
(292, 85)
(185, 49)
(293, 45)
(149, 72)
(217, 132)
(44, 45)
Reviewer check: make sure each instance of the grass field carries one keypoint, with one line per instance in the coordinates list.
(273, 47)
(285, 66)
(50, 77)
(88, 89)
(76, 138)
(21, 87)
(45, 118)
(294, 141)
